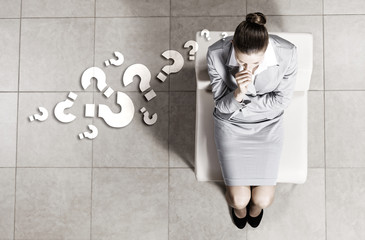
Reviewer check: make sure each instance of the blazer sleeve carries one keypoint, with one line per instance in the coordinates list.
(280, 98)
(222, 95)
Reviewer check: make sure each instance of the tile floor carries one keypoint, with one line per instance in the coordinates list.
(138, 182)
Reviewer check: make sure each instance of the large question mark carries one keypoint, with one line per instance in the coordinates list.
(42, 117)
(92, 135)
(116, 120)
(61, 106)
(175, 67)
(118, 62)
(145, 76)
(194, 49)
(206, 33)
(224, 34)
(99, 75)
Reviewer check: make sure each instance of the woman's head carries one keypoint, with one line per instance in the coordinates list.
(250, 40)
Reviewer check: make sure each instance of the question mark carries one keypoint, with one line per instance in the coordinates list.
(118, 62)
(206, 33)
(99, 75)
(194, 49)
(42, 117)
(92, 135)
(61, 106)
(146, 117)
(116, 120)
(145, 76)
(175, 67)
(224, 34)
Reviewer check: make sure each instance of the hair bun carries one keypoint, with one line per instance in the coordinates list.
(257, 18)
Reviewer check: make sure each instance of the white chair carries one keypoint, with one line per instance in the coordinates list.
(293, 162)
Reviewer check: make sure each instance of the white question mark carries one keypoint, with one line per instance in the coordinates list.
(116, 120)
(146, 117)
(92, 135)
(99, 75)
(61, 106)
(118, 62)
(145, 76)
(224, 34)
(175, 67)
(194, 49)
(42, 117)
(206, 33)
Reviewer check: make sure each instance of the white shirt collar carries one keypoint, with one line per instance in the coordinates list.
(269, 59)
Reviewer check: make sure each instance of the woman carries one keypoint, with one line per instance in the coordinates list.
(253, 77)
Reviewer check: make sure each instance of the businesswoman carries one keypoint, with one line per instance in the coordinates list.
(252, 75)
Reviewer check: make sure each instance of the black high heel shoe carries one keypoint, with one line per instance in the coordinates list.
(239, 222)
(255, 221)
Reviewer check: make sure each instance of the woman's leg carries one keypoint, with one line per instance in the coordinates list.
(262, 197)
(238, 197)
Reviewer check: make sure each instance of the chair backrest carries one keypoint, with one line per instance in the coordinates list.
(303, 41)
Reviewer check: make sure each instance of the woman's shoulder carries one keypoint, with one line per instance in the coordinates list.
(281, 42)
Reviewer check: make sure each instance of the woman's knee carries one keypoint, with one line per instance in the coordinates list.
(238, 196)
(263, 197)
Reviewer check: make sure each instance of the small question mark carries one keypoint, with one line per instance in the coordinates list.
(194, 49)
(61, 106)
(206, 33)
(116, 120)
(92, 135)
(145, 76)
(42, 117)
(146, 117)
(118, 62)
(175, 67)
(99, 75)
(224, 34)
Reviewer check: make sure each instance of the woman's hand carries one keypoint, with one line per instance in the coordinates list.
(243, 78)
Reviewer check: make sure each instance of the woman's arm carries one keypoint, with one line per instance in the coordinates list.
(280, 98)
(223, 97)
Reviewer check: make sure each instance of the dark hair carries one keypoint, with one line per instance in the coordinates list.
(251, 35)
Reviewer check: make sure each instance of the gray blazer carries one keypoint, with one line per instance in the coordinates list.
(274, 86)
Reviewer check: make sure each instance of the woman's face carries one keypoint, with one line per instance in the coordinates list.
(249, 62)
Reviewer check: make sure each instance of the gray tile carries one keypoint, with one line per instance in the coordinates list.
(130, 203)
(198, 210)
(182, 129)
(134, 38)
(285, 7)
(10, 8)
(54, 8)
(52, 143)
(345, 192)
(316, 129)
(298, 211)
(343, 7)
(53, 203)
(208, 8)
(54, 53)
(344, 52)
(345, 128)
(126, 8)
(184, 29)
(310, 24)
(8, 121)
(136, 144)
(9, 58)
(7, 198)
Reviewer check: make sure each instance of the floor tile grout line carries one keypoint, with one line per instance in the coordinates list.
(166, 167)
(92, 142)
(324, 123)
(168, 140)
(17, 119)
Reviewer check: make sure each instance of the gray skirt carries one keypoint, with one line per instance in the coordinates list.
(249, 152)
